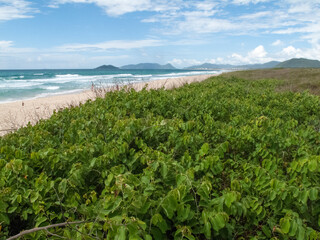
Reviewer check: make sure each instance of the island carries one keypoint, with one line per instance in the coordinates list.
(107, 67)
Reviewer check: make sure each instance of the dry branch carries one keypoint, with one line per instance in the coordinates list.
(45, 228)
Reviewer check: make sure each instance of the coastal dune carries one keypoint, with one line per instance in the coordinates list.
(15, 115)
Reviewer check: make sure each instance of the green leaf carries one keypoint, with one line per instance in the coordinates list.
(40, 220)
(235, 185)
(62, 186)
(156, 219)
(207, 230)
(304, 196)
(4, 218)
(19, 198)
(109, 180)
(313, 164)
(230, 198)
(3, 206)
(313, 194)
(293, 229)
(121, 233)
(147, 237)
(301, 233)
(285, 225)
(266, 230)
(164, 170)
(169, 206)
(34, 196)
(204, 149)
(12, 209)
(217, 221)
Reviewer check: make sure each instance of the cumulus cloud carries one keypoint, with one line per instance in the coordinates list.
(258, 52)
(15, 9)
(257, 55)
(291, 51)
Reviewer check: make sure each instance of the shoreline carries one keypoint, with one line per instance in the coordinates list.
(17, 114)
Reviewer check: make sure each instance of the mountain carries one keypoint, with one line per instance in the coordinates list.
(299, 63)
(107, 67)
(271, 64)
(148, 66)
(210, 66)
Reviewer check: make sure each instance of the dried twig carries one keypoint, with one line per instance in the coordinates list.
(45, 228)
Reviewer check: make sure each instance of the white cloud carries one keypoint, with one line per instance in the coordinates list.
(117, 44)
(5, 45)
(257, 55)
(180, 63)
(205, 6)
(185, 62)
(291, 51)
(244, 2)
(256, 15)
(258, 52)
(120, 7)
(209, 17)
(277, 43)
(201, 25)
(15, 9)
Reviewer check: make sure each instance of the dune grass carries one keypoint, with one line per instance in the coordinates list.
(296, 80)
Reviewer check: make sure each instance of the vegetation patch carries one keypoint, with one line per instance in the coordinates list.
(296, 80)
(223, 159)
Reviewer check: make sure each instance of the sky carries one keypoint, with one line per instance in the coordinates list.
(53, 34)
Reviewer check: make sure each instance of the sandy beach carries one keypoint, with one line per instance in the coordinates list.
(17, 114)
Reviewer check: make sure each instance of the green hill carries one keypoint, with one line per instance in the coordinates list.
(223, 159)
(107, 67)
(299, 63)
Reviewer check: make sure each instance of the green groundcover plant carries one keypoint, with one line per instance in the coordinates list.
(222, 159)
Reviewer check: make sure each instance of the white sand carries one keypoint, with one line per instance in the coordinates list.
(18, 114)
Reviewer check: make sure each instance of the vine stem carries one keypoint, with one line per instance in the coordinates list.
(44, 228)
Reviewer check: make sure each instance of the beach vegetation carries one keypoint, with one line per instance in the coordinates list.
(226, 158)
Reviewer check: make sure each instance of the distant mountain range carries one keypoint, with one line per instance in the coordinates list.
(148, 66)
(292, 63)
(271, 64)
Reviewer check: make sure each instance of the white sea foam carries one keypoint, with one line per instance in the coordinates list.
(142, 76)
(51, 88)
(17, 84)
(38, 74)
(67, 75)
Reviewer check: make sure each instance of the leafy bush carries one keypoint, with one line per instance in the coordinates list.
(222, 159)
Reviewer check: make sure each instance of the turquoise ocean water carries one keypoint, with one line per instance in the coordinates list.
(27, 84)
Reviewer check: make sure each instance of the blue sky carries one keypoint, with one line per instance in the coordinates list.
(88, 33)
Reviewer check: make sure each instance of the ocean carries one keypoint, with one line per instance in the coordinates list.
(28, 84)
